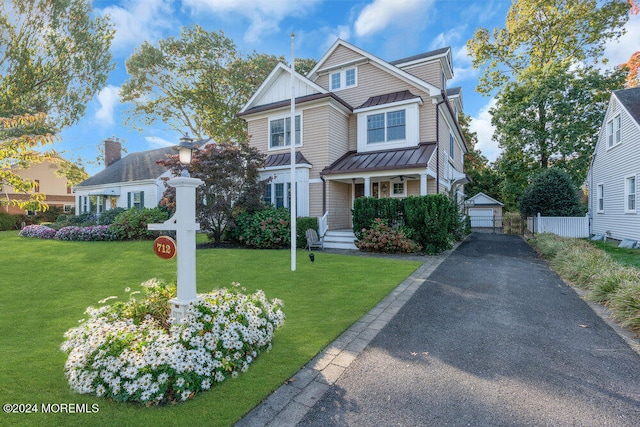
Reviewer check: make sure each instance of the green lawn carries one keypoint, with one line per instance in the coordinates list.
(624, 256)
(46, 286)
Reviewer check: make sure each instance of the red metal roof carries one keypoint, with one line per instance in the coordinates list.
(284, 159)
(402, 158)
(388, 98)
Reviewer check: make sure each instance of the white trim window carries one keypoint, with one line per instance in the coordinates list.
(280, 132)
(614, 131)
(398, 189)
(630, 194)
(343, 79)
(600, 198)
(387, 127)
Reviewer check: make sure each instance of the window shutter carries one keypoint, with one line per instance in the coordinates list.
(142, 200)
(129, 200)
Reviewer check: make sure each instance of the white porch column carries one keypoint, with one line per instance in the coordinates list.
(423, 184)
(367, 187)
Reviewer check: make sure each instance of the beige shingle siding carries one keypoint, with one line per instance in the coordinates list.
(353, 133)
(340, 56)
(258, 129)
(315, 199)
(413, 187)
(316, 138)
(430, 73)
(338, 125)
(339, 205)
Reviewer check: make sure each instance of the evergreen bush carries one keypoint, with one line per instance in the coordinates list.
(132, 223)
(551, 193)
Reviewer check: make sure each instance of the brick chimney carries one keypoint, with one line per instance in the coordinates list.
(112, 151)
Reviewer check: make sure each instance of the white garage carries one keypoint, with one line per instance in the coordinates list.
(484, 211)
(481, 217)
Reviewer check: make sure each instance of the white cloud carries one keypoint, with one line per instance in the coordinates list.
(157, 142)
(619, 52)
(462, 68)
(108, 98)
(264, 15)
(381, 14)
(139, 20)
(482, 126)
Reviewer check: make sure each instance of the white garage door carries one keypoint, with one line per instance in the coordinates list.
(481, 217)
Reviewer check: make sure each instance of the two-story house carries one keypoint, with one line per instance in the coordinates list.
(363, 127)
(614, 173)
(46, 180)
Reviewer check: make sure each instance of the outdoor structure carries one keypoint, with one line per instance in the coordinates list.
(135, 180)
(484, 211)
(614, 170)
(363, 127)
(56, 188)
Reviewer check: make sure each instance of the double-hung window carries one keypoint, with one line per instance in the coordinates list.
(600, 196)
(343, 79)
(614, 131)
(630, 194)
(383, 127)
(280, 132)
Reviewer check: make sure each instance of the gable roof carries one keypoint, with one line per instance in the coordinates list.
(443, 54)
(372, 59)
(401, 158)
(133, 167)
(630, 100)
(278, 71)
(299, 100)
(482, 199)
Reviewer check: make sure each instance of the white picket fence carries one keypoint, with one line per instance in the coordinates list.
(577, 227)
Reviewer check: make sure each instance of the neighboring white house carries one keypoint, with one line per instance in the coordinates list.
(484, 211)
(135, 180)
(615, 169)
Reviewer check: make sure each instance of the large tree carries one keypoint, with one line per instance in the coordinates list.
(543, 34)
(483, 176)
(231, 184)
(198, 81)
(54, 57)
(550, 97)
(554, 119)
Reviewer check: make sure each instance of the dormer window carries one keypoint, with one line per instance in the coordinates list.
(343, 79)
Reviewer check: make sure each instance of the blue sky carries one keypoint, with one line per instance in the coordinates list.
(389, 29)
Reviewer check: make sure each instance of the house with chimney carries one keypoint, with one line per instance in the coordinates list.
(363, 126)
(133, 181)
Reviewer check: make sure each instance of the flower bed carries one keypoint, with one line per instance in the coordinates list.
(86, 234)
(129, 351)
(38, 231)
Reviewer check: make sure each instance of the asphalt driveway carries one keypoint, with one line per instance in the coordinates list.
(492, 338)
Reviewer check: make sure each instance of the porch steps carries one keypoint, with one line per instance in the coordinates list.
(339, 239)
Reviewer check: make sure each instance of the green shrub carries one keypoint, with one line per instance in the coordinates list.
(109, 217)
(132, 223)
(266, 229)
(9, 222)
(435, 219)
(382, 238)
(302, 225)
(551, 193)
(367, 209)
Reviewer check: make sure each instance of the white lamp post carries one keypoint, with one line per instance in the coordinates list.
(183, 222)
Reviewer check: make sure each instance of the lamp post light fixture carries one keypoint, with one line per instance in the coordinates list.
(185, 225)
(185, 153)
